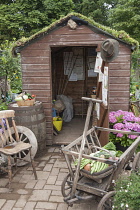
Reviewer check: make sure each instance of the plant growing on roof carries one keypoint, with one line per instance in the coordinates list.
(123, 120)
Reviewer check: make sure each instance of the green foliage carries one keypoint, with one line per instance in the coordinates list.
(127, 193)
(126, 16)
(3, 105)
(97, 9)
(119, 119)
(56, 9)
(10, 67)
(135, 74)
(25, 17)
(135, 57)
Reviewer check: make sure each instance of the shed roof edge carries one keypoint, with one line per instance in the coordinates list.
(121, 36)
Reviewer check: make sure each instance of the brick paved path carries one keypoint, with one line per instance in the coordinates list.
(41, 194)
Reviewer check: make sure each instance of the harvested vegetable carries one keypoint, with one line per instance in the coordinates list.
(110, 146)
(84, 162)
(106, 154)
(119, 153)
(97, 166)
(87, 167)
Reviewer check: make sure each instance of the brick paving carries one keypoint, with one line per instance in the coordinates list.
(44, 193)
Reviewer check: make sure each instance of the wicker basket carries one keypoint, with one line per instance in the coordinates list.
(26, 102)
(97, 176)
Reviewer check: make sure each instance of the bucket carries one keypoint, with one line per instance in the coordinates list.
(32, 117)
(57, 122)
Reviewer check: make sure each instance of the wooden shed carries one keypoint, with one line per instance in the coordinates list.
(61, 59)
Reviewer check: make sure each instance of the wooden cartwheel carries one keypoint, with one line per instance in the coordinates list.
(27, 136)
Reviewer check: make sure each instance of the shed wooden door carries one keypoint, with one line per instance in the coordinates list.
(103, 120)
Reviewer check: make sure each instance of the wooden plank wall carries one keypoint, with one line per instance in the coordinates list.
(119, 80)
(36, 68)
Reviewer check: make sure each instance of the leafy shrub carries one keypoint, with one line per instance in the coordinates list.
(3, 105)
(127, 195)
(10, 67)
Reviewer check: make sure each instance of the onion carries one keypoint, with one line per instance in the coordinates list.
(87, 167)
(19, 98)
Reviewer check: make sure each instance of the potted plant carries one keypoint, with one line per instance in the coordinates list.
(123, 120)
(127, 195)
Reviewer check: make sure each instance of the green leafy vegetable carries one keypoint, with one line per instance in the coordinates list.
(110, 146)
(106, 154)
(119, 153)
(97, 166)
(84, 162)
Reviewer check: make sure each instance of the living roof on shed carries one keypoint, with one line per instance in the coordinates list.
(121, 36)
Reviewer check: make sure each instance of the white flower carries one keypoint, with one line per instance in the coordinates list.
(122, 204)
(127, 205)
(126, 190)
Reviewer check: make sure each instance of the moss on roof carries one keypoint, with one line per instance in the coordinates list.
(122, 35)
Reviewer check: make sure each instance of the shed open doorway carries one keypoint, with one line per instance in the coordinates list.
(73, 77)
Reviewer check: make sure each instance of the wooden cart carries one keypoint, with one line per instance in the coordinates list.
(81, 185)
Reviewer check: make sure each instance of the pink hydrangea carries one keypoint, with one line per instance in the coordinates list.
(118, 126)
(119, 135)
(124, 120)
(136, 127)
(129, 116)
(132, 136)
(137, 119)
(129, 125)
(112, 119)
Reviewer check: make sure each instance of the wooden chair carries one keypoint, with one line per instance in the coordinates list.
(11, 144)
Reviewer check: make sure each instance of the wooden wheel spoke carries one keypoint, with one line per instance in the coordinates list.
(23, 152)
(26, 136)
(20, 136)
(67, 188)
(19, 155)
(25, 139)
(108, 207)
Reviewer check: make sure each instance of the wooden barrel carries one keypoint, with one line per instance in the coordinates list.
(32, 117)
